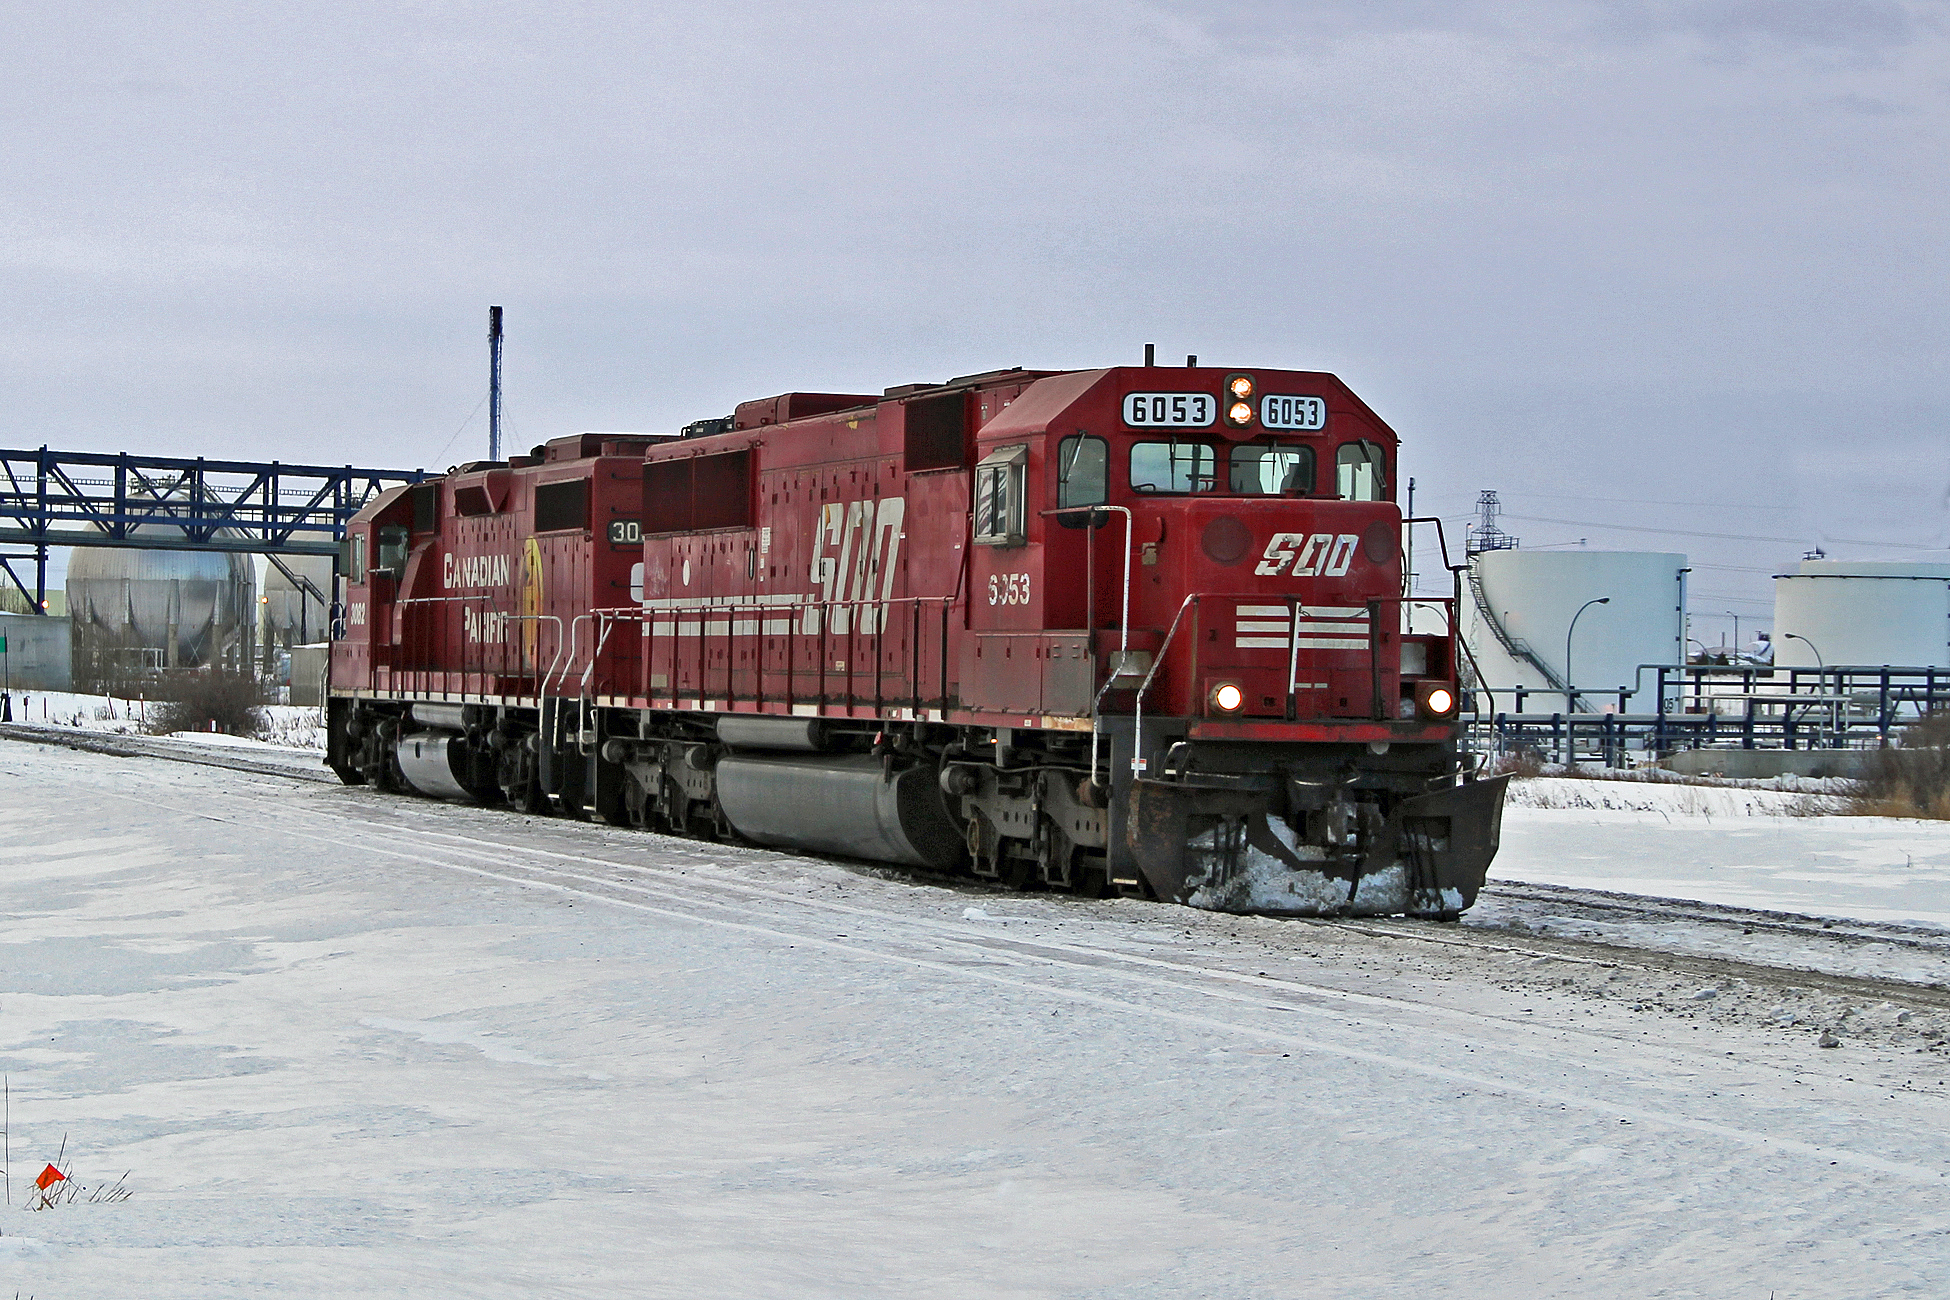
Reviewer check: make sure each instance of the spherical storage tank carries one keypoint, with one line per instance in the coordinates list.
(1533, 597)
(1863, 612)
(136, 599)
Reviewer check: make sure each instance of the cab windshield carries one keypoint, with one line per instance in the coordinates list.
(1173, 467)
(1278, 469)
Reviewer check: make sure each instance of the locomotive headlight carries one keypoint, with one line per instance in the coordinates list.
(1227, 697)
(1434, 700)
(1239, 391)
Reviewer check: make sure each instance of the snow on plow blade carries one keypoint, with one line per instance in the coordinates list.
(1231, 849)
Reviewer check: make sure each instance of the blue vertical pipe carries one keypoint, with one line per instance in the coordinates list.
(494, 383)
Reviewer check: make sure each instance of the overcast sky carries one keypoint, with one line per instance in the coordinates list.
(1602, 257)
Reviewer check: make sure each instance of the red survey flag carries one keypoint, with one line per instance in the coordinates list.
(49, 1177)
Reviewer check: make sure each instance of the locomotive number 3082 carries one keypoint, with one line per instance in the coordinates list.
(1008, 589)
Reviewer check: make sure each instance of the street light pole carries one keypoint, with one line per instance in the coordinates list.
(1820, 663)
(1570, 682)
(1736, 632)
(1821, 669)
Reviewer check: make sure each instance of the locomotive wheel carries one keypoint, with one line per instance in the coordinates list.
(1018, 873)
(637, 806)
(1089, 881)
(568, 802)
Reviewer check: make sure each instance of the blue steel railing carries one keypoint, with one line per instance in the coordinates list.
(1701, 706)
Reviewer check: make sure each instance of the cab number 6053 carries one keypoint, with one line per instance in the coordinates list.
(1008, 589)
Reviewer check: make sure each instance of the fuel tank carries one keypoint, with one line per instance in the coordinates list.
(840, 804)
(426, 760)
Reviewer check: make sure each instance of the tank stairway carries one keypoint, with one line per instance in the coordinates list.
(1517, 648)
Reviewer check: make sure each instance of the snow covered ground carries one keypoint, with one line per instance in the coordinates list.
(290, 726)
(1770, 849)
(353, 1044)
(1781, 845)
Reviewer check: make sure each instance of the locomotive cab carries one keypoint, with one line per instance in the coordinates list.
(1227, 546)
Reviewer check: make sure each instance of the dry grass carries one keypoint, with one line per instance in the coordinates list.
(1524, 764)
(70, 1192)
(65, 1190)
(1912, 779)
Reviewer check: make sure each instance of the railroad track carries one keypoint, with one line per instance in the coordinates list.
(1931, 994)
(1644, 907)
(176, 751)
(1538, 903)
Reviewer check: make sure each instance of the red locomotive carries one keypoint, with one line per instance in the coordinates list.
(1137, 629)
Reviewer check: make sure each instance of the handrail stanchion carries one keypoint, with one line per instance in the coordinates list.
(1293, 657)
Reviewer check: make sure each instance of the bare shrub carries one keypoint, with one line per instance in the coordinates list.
(1913, 778)
(209, 700)
(1520, 763)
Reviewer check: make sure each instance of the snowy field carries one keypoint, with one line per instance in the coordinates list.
(1787, 848)
(289, 726)
(349, 1044)
(1770, 849)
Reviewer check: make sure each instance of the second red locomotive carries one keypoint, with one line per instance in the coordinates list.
(1137, 629)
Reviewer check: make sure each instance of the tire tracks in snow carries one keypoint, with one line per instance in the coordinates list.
(1145, 988)
(1926, 994)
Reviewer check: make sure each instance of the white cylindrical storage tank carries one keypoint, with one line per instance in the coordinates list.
(1869, 613)
(1531, 598)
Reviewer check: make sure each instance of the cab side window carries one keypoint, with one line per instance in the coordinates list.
(1082, 471)
(999, 482)
(392, 549)
(1360, 471)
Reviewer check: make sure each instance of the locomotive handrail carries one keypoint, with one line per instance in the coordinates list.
(1441, 540)
(1137, 710)
(606, 619)
(487, 598)
(568, 664)
(799, 612)
(1123, 617)
(1124, 613)
(1191, 602)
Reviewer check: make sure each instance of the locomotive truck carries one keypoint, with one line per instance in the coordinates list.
(1138, 630)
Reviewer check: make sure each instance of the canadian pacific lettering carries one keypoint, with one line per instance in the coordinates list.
(476, 571)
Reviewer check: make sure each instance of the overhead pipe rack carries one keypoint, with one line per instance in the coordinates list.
(69, 498)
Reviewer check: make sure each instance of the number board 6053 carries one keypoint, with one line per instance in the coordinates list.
(1283, 411)
(1162, 410)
